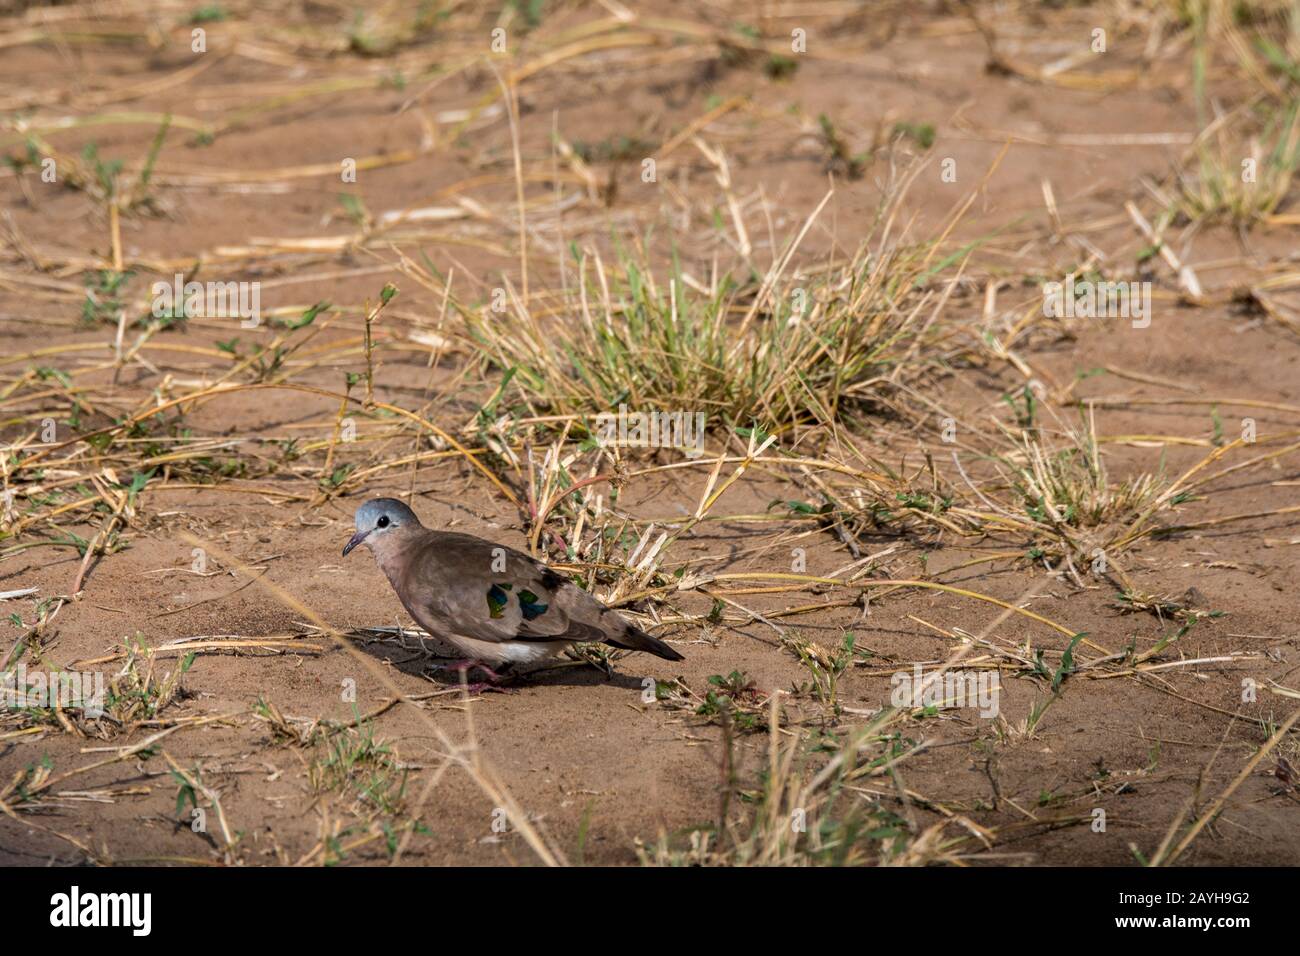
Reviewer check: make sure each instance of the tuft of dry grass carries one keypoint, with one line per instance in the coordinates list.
(1066, 483)
(1239, 179)
(806, 809)
(782, 351)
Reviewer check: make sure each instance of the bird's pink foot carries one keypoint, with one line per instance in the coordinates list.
(483, 687)
(466, 667)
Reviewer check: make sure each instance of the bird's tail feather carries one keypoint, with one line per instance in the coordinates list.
(634, 639)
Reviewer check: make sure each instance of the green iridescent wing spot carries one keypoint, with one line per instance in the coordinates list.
(496, 600)
(529, 605)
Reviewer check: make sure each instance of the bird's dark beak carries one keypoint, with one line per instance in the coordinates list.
(356, 540)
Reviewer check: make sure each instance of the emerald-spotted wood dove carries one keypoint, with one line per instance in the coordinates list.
(494, 604)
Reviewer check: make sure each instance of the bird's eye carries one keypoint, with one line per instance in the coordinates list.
(383, 521)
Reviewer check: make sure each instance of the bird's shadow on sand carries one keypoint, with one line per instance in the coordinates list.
(578, 675)
(421, 664)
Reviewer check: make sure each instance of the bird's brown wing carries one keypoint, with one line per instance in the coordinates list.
(475, 588)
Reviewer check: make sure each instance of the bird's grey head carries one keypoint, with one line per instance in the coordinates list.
(378, 518)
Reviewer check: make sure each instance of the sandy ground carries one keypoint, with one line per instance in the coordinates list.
(595, 768)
